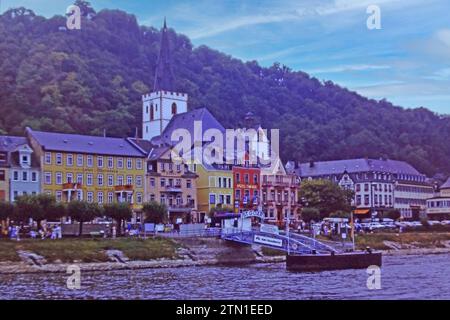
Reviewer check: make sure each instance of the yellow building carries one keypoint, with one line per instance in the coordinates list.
(90, 168)
(214, 186)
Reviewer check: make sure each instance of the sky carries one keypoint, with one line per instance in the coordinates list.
(407, 61)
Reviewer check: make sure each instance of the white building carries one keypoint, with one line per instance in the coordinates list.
(379, 184)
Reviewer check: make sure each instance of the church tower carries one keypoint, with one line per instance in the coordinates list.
(165, 101)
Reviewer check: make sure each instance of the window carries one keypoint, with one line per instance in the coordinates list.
(80, 178)
(69, 177)
(120, 180)
(237, 195)
(110, 180)
(366, 200)
(25, 160)
(16, 194)
(58, 159)
(59, 178)
(162, 167)
(152, 197)
(16, 175)
(120, 163)
(178, 167)
(255, 179)
(89, 179)
(90, 161)
(90, 197)
(366, 187)
(228, 199)
(188, 184)
(2, 175)
(129, 163)
(48, 158)
(69, 160)
(163, 182)
(129, 180)
(100, 180)
(358, 187)
(139, 181)
(139, 164)
(152, 114)
(246, 178)
(2, 157)
(48, 178)
(110, 197)
(212, 199)
(174, 108)
(139, 197)
(110, 162)
(100, 161)
(79, 160)
(100, 197)
(152, 182)
(58, 195)
(80, 195)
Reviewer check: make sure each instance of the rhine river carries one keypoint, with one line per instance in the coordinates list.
(402, 277)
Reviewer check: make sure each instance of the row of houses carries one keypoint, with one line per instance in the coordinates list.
(134, 170)
(139, 169)
(380, 185)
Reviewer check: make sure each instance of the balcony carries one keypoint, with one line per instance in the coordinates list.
(124, 188)
(71, 186)
(173, 188)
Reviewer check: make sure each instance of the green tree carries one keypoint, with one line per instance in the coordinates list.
(6, 210)
(325, 196)
(119, 212)
(28, 206)
(309, 214)
(155, 212)
(82, 211)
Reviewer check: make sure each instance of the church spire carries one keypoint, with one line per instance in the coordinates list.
(164, 79)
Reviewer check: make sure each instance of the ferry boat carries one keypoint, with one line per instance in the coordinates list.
(333, 261)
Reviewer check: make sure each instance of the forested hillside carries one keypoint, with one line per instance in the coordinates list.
(92, 79)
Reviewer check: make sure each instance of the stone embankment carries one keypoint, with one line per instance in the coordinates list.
(192, 252)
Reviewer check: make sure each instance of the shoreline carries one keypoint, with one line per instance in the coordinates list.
(26, 268)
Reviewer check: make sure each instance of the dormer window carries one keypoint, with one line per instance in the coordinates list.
(25, 160)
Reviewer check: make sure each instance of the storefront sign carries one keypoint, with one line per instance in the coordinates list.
(253, 213)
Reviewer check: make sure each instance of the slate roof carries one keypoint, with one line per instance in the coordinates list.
(85, 144)
(164, 79)
(186, 120)
(10, 143)
(356, 165)
(446, 185)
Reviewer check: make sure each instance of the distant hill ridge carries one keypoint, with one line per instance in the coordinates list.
(88, 80)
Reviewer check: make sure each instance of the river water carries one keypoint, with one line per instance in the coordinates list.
(402, 277)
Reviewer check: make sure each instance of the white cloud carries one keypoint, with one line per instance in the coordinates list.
(347, 68)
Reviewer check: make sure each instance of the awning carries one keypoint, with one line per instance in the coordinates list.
(361, 211)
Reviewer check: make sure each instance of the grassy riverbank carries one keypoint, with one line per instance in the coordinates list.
(89, 250)
(422, 240)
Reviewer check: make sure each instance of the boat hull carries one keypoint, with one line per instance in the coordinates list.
(319, 262)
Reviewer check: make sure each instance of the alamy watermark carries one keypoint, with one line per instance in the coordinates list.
(233, 146)
(374, 278)
(374, 20)
(73, 13)
(74, 280)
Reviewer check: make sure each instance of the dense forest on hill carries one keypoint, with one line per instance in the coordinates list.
(92, 79)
